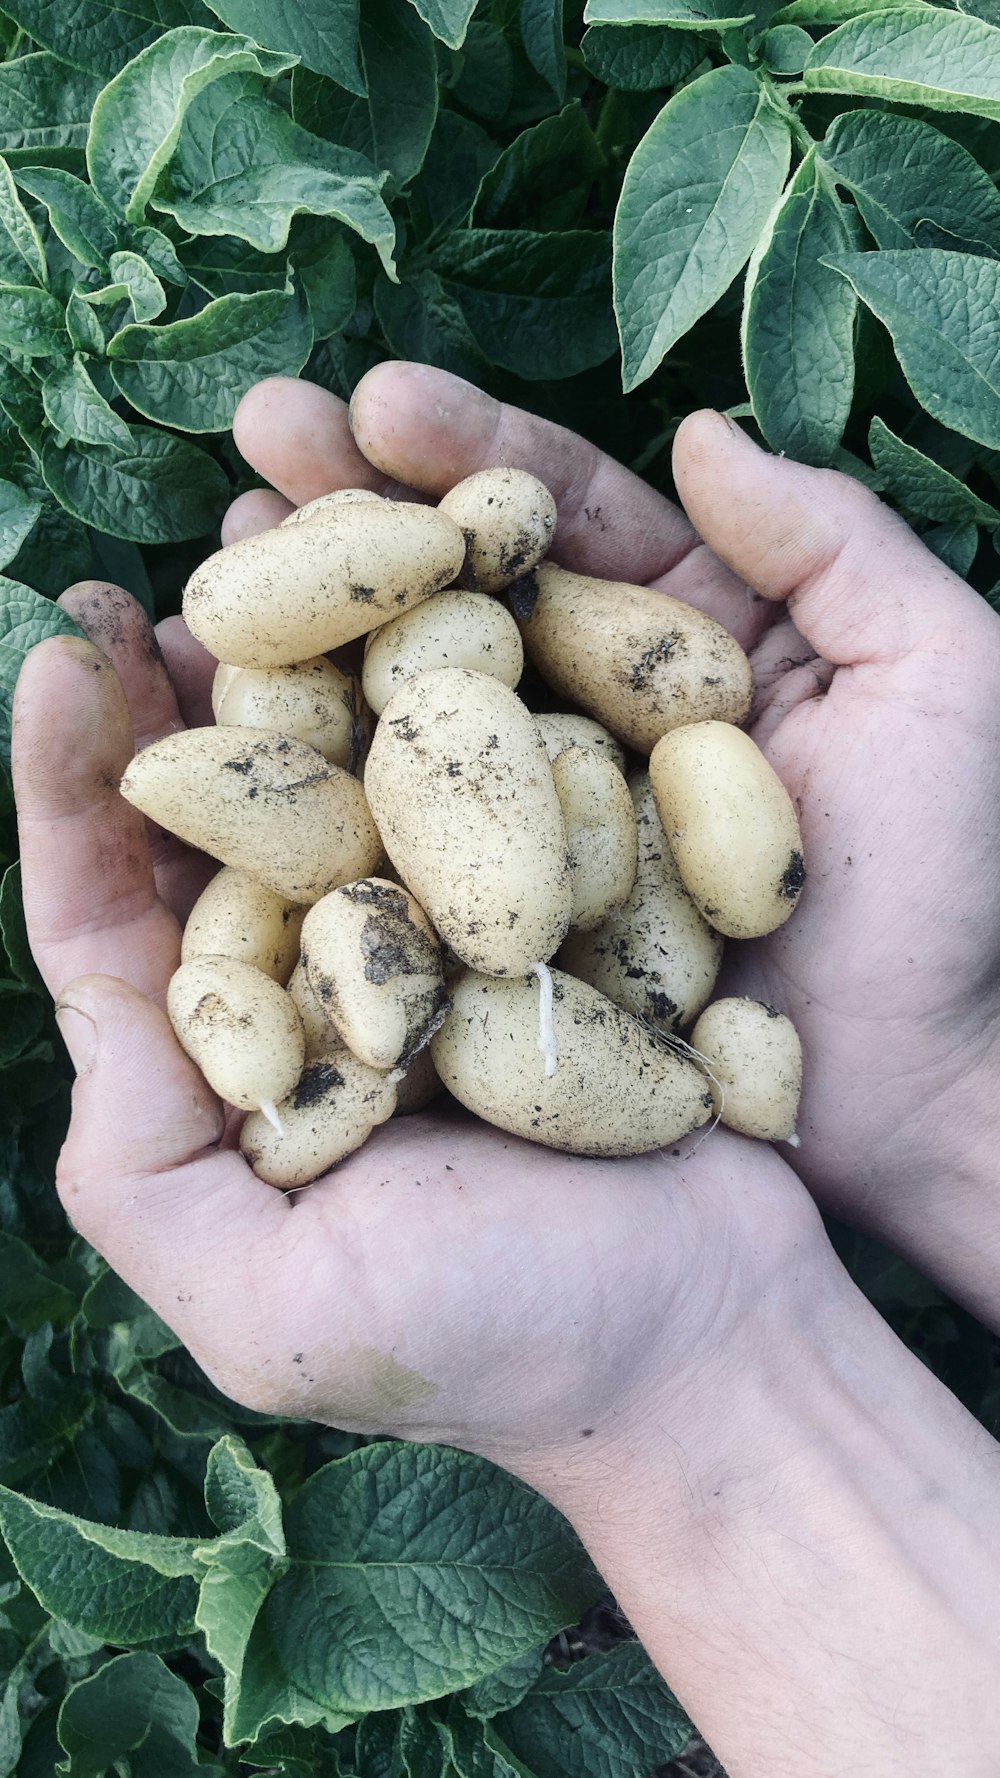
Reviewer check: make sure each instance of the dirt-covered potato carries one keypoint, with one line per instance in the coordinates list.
(240, 1027)
(640, 662)
(420, 1085)
(267, 805)
(235, 916)
(601, 836)
(560, 732)
(312, 701)
(508, 518)
(460, 785)
(616, 1088)
(330, 1113)
(731, 826)
(656, 956)
(302, 589)
(755, 1057)
(373, 961)
(451, 629)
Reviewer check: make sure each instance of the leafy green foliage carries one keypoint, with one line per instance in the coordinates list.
(792, 213)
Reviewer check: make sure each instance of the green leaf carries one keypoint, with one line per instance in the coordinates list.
(223, 266)
(916, 55)
(830, 12)
(393, 125)
(458, 158)
(25, 618)
(697, 193)
(32, 321)
(448, 19)
(22, 258)
(921, 486)
(44, 104)
(330, 285)
(640, 58)
(608, 1716)
(798, 322)
(79, 217)
(485, 82)
(126, 1587)
(77, 409)
(422, 321)
(504, 1688)
(242, 1499)
(542, 36)
(786, 49)
(137, 120)
(157, 252)
(192, 374)
(446, 1565)
(164, 491)
(323, 33)
(904, 173)
(23, 1014)
(691, 15)
(18, 516)
(536, 304)
(144, 290)
(135, 1707)
(542, 180)
(84, 329)
(954, 545)
(100, 36)
(29, 1294)
(13, 931)
(262, 1694)
(943, 312)
(243, 168)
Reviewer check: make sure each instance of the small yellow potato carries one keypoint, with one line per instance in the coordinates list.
(560, 732)
(451, 629)
(325, 503)
(731, 826)
(601, 834)
(312, 701)
(373, 962)
(460, 785)
(640, 662)
(420, 1085)
(508, 517)
(321, 1033)
(300, 590)
(241, 1029)
(656, 956)
(332, 1111)
(267, 805)
(754, 1054)
(616, 1088)
(235, 916)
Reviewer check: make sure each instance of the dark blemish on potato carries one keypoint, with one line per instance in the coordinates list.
(708, 1101)
(363, 595)
(403, 729)
(252, 792)
(522, 595)
(243, 766)
(710, 913)
(771, 1011)
(400, 598)
(794, 877)
(707, 681)
(454, 768)
(316, 1080)
(651, 658)
(661, 1005)
(297, 1357)
(379, 895)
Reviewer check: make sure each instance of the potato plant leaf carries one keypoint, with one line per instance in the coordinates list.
(14, 932)
(542, 35)
(19, 514)
(78, 410)
(22, 257)
(640, 58)
(690, 15)
(912, 55)
(164, 490)
(448, 19)
(44, 104)
(542, 180)
(954, 545)
(25, 618)
(323, 33)
(903, 173)
(133, 1709)
(100, 36)
(922, 486)
(422, 319)
(535, 303)
(79, 217)
(604, 1717)
(697, 193)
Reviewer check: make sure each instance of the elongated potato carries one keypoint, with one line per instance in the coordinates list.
(656, 956)
(300, 590)
(731, 827)
(269, 806)
(240, 1028)
(508, 517)
(312, 701)
(461, 787)
(755, 1057)
(640, 662)
(601, 834)
(616, 1089)
(450, 629)
(373, 962)
(562, 731)
(330, 1113)
(235, 916)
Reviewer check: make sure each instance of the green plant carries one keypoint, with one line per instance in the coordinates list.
(194, 196)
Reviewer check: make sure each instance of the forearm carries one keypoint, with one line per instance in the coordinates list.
(805, 1535)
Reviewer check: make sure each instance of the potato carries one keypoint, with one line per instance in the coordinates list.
(640, 662)
(373, 962)
(656, 956)
(312, 701)
(508, 517)
(324, 503)
(321, 1032)
(240, 1028)
(450, 629)
(560, 732)
(331, 1112)
(300, 590)
(237, 917)
(616, 1090)
(600, 833)
(755, 1056)
(731, 826)
(461, 787)
(420, 1085)
(272, 807)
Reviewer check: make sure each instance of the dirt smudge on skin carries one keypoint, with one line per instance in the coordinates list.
(378, 1384)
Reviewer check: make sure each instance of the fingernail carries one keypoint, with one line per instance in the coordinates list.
(79, 1033)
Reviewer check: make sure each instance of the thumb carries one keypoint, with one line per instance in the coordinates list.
(859, 584)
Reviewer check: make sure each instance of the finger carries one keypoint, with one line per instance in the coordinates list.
(260, 510)
(297, 437)
(787, 672)
(191, 670)
(858, 582)
(90, 898)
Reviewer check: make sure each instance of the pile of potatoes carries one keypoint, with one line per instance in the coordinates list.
(427, 883)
